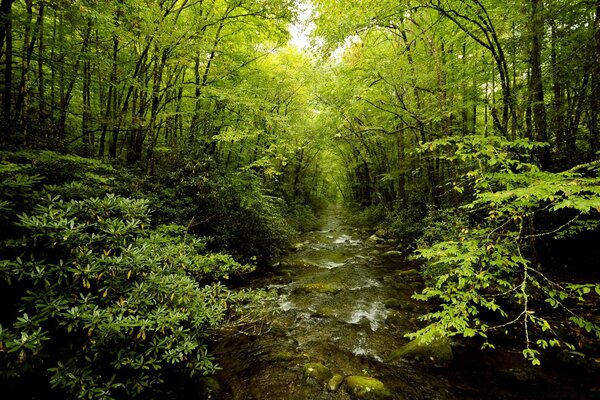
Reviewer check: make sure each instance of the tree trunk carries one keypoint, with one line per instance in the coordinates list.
(536, 88)
(6, 36)
(595, 94)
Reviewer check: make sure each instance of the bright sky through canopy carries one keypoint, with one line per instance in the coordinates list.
(302, 27)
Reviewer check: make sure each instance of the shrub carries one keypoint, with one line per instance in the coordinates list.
(232, 209)
(106, 305)
(488, 264)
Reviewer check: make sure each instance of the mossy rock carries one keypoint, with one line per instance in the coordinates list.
(286, 272)
(318, 372)
(210, 385)
(324, 312)
(395, 318)
(436, 350)
(335, 382)
(409, 273)
(392, 303)
(298, 264)
(324, 288)
(392, 254)
(365, 387)
(285, 356)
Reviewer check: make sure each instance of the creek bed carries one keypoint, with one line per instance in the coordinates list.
(344, 302)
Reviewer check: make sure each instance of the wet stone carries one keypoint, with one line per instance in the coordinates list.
(285, 356)
(365, 387)
(324, 312)
(335, 382)
(375, 239)
(435, 350)
(409, 274)
(323, 288)
(318, 372)
(210, 385)
(392, 254)
(392, 303)
(298, 264)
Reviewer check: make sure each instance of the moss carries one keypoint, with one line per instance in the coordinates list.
(392, 303)
(284, 356)
(436, 349)
(324, 312)
(335, 382)
(365, 387)
(324, 288)
(318, 372)
(408, 273)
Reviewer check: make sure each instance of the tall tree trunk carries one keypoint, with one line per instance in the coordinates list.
(536, 88)
(595, 94)
(558, 108)
(86, 96)
(6, 36)
(40, 64)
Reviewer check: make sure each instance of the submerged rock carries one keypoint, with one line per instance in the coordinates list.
(318, 372)
(299, 246)
(285, 356)
(435, 349)
(392, 254)
(335, 382)
(210, 385)
(298, 264)
(409, 274)
(375, 239)
(365, 387)
(324, 288)
(392, 303)
(324, 312)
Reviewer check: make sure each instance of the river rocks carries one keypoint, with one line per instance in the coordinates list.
(392, 254)
(298, 264)
(335, 382)
(409, 274)
(299, 246)
(375, 239)
(365, 387)
(392, 303)
(210, 386)
(324, 312)
(318, 372)
(436, 349)
(324, 288)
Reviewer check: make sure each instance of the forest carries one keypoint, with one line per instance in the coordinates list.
(156, 153)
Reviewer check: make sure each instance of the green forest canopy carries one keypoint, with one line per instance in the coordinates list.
(468, 129)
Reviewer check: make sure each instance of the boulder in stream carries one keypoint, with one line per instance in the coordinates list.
(409, 274)
(435, 349)
(392, 303)
(324, 288)
(375, 239)
(335, 382)
(392, 254)
(318, 372)
(324, 312)
(298, 264)
(365, 387)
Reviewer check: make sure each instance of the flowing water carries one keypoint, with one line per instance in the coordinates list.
(343, 301)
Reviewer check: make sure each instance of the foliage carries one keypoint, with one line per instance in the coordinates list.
(234, 210)
(489, 264)
(96, 302)
(106, 304)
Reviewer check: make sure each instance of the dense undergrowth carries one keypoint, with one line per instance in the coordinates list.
(111, 283)
(515, 256)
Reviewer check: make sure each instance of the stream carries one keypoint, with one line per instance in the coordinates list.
(344, 301)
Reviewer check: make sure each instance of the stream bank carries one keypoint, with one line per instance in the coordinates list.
(343, 306)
